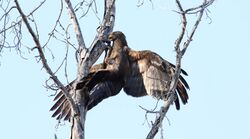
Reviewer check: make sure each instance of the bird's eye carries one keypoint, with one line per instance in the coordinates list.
(110, 37)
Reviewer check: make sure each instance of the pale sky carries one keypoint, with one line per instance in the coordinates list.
(216, 61)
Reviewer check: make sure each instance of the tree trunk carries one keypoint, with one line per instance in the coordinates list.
(86, 59)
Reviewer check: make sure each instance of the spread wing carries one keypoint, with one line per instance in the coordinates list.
(151, 75)
(102, 82)
(99, 92)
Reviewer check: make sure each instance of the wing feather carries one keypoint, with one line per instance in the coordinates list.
(58, 102)
(135, 87)
(58, 95)
(64, 111)
(184, 82)
(152, 75)
(177, 102)
(97, 93)
(67, 117)
(182, 92)
(149, 73)
(60, 108)
(182, 71)
(103, 90)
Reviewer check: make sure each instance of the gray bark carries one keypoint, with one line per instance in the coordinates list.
(87, 57)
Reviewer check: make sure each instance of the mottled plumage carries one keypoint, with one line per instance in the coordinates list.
(139, 73)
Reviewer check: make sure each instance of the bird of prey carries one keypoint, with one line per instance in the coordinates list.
(138, 73)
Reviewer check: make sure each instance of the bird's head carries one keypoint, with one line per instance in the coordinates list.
(116, 35)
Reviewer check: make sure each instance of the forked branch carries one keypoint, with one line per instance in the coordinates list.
(179, 53)
(87, 57)
(76, 25)
(43, 58)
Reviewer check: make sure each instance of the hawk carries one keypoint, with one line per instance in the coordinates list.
(138, 73)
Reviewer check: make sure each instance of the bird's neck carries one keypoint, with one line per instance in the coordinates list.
(119, 43)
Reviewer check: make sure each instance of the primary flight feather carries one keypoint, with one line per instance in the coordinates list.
(139, 73)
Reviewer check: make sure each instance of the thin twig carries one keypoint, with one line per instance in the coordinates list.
(15, 26)
(43, 59)
(35, 9)
(76, 25)
(179, 53)
(197, 9)
(190, 38)
(57, 22)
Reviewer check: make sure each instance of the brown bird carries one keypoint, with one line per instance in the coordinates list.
(139, 73)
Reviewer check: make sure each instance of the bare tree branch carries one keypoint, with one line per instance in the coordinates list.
(35, 9)
(10, 27)
(56, 24)
(141, 2)
(179, 53)
(76, 25)
(43, 59)
(195, 26)
(79, 97)
(5, 21)
(199, 8)
(98, 46)
(86, 59)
